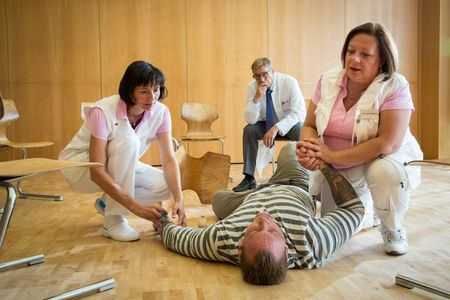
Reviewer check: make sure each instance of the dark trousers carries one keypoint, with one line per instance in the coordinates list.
(254, 133)
(289, 172)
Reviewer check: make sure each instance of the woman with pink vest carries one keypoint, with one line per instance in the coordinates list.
(358, 121)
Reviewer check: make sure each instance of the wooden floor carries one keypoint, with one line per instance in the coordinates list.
(67, 233)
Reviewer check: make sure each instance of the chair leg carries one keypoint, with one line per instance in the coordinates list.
(223, 145)
(175, 144)
(7, 210)
(6, 217)
(411, 283)
(96, 287)
(31, 260)
(21, 194)
(273, 164)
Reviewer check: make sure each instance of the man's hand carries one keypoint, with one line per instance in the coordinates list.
(260, 91)
(270, 136)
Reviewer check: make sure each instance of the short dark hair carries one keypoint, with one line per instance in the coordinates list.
(386, 46)
(141, 73)
(263, 269)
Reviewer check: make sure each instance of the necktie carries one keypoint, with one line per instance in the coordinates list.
(270, 110)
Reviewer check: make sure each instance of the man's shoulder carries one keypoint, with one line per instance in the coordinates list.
(285, 77)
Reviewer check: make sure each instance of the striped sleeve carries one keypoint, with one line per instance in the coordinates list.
(192, 242)
(327, 234)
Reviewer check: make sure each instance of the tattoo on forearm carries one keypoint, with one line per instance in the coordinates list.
(341, 189)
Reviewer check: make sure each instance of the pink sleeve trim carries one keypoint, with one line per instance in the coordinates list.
(317, 93)
(166, 124)
(399, 99)
(96, 123)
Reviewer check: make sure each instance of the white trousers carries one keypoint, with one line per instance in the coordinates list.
(384, 186)
(146, 183)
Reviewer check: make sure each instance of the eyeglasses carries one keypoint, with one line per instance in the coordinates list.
(258, 76)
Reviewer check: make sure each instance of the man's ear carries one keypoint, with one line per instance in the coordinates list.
(286, 248)
(239, 247)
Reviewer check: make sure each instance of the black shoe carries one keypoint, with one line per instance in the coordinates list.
(246, 184)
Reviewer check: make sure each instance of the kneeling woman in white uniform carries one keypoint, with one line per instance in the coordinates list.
(117, 131)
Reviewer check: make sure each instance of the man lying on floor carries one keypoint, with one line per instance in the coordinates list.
(273, 227)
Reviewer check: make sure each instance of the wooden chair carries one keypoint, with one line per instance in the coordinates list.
(199, 117)
(10, 115)
(205, 175)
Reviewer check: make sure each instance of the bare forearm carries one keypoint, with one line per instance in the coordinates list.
(172, 175)
(364, 152)
(308, 132)
(341, 189)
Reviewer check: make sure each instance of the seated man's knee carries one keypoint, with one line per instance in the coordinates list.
(251, 129)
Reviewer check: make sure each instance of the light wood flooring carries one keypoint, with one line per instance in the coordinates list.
(67, 233)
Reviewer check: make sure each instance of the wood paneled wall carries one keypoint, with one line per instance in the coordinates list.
(444, 80)
(56, 54)
(434, 92)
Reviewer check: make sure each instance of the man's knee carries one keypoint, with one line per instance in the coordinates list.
(252, 130)
(294, 133)
(288, 151)
(217, 205)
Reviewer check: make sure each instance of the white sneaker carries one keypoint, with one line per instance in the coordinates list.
(395, 242)
(121, 232)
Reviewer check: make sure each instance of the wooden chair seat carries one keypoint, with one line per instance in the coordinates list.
(205, 175)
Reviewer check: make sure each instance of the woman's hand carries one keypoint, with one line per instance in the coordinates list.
(306, 156)
(178, 209)
(315, 147)
(150, 212)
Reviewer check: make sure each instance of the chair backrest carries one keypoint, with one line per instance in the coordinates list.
(199, 117)
(205, 175)
(9, 115)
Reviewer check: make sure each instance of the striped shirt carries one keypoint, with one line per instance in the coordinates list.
(310, 240)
